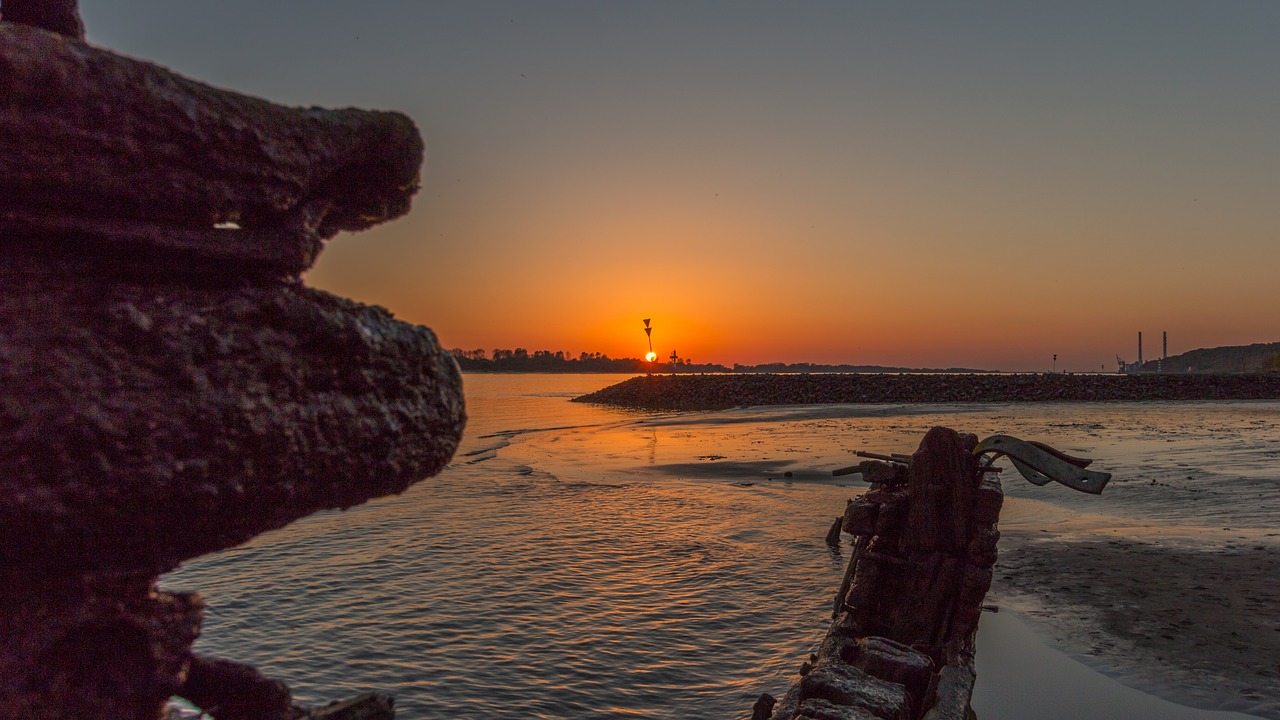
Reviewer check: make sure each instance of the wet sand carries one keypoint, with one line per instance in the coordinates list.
(1169, 581)
(1198, 626)
(1021, 676)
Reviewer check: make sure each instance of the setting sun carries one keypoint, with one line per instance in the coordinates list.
(651, 356)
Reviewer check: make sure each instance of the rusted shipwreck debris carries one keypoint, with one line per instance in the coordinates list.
(168, 387)
(901, 644)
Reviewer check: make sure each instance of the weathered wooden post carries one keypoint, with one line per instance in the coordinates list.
(901, 644)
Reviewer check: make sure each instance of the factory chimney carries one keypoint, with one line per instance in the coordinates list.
(1139, 350)
(1165, 354)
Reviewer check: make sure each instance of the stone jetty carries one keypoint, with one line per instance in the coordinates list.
(169, 387)
(719, 392)
(901, 643)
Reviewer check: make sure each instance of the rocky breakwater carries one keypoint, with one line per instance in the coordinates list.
(901, 645)
(168, 387)
(719, 392)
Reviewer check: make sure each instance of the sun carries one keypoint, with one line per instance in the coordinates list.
(651, 356)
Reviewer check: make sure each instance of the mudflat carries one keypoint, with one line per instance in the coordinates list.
(1198, 625)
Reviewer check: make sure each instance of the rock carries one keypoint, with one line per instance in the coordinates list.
(369, 706)
(146, 424)
(170, 387)
(229, 690)
(58, 16)
(763, 707)
(92, 647)
(833, 535)
(108, 155)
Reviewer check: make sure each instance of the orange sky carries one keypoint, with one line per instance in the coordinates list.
(979, 185)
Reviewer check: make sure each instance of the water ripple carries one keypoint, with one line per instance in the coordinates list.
(526, 583)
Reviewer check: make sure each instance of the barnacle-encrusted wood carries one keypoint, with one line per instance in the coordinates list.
(107, 153)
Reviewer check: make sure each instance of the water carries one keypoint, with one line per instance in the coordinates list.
(582, 562)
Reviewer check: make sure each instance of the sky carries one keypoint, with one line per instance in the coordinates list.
(923, 184)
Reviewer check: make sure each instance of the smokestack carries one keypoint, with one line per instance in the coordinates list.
(1139, 349)
(1165, 354)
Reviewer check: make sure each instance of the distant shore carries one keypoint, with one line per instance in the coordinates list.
(719, 392)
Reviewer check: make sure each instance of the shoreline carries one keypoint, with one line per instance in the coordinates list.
(1198, 626)
(1102, 586)
(1023, 673)
(721, 392)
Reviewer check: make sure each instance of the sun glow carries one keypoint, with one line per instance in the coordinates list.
(651, 356)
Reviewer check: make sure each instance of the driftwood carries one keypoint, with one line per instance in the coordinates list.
(108, 153)
(901, 645)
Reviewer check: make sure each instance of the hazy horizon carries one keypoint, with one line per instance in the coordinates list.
(926, 185)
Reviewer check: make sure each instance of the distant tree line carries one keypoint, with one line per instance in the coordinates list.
(1259, 357)
(521, 360)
